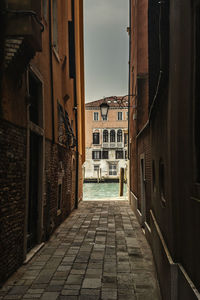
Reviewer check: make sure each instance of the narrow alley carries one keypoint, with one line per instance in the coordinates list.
(99, 252)
(100, 100)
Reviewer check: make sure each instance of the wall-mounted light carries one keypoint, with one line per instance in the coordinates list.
(104, 107)
(121, 101)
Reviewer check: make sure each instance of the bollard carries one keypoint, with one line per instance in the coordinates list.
(121, 182)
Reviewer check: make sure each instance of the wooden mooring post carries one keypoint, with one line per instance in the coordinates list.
(121, 182)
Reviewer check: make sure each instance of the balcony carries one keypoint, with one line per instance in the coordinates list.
(112, 145)
(26, 26)
(23, 20)
(23, 32)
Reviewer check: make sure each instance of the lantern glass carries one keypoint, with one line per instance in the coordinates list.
(104, 110)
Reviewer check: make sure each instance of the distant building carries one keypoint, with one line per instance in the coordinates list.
(106, 140)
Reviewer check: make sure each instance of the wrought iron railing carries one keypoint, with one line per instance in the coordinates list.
(65, 132)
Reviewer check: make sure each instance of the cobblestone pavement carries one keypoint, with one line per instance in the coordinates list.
(99, 252)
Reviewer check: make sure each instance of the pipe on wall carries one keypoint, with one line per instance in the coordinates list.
(76, 114)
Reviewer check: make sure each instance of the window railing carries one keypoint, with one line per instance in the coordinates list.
(113, 145)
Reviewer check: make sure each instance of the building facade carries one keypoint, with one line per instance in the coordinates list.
(106, 140)
(164, 138)
(42, 123)
(140, 150)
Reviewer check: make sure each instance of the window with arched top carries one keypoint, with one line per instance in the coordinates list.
(112, 136)
(119, 136)
(96, 138)
(105, 136)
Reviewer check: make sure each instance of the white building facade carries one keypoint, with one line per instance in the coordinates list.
(106, 140)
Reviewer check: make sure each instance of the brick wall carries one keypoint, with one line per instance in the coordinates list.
(58, 165)
(13, 193)
(12, 197)
(145, 148)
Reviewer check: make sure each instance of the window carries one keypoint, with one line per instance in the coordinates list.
(112, 169)
(96, 168)
(55, 25)
(119, 136)
(119, 154)
(104, 154)
(119, 116)
(96, 154)
(105, 136)
(125, 138)
(105, 118)
(112, 136)
(96, 116)
(96, 138)
(126, 115)
(126, 154)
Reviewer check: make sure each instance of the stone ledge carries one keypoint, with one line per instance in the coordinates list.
(33, 252)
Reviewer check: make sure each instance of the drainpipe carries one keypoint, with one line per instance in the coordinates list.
(76, 113)
(51, 72)
(129, 93)
(77, 154)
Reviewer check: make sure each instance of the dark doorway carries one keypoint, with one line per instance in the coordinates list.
(33, 191)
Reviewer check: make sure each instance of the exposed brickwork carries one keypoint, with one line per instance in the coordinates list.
(12, 197)
(58, 166)
(133, 168)
(145, 148)
(139, 106)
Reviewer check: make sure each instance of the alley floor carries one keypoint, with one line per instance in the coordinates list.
(99, 252)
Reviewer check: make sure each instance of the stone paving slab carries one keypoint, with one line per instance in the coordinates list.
(98, 253)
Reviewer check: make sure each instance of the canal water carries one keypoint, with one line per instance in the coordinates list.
(98, 191)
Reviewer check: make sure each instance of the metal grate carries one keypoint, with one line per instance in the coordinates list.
(66, 135)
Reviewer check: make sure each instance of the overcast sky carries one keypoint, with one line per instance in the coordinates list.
(106, 48)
